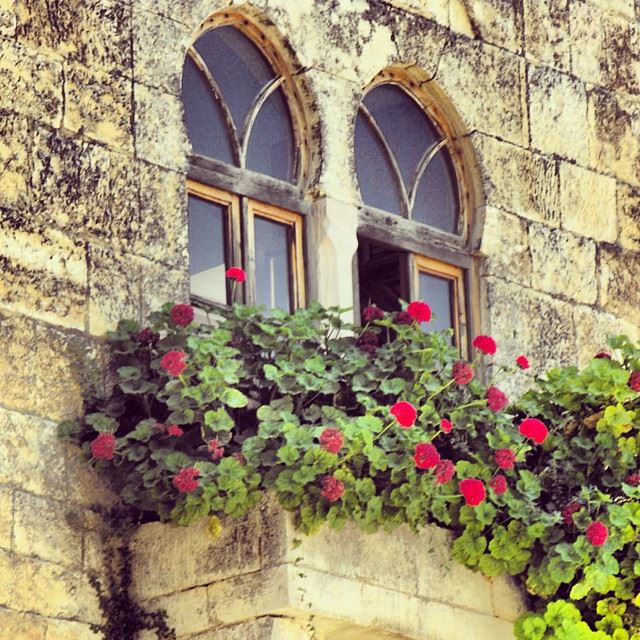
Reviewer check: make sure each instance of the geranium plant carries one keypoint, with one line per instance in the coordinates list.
(385, 424)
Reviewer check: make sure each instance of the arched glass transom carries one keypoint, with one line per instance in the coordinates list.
(235, 105)
(403, 164)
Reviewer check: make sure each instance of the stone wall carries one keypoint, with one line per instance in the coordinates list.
(92, 208)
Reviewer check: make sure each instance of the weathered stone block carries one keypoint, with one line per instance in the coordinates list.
(160, 135)
(8, 20)
(629, 216)
(99, 104)
(505, 243)
(14, 160)
(157, 65)
(619, 291)
(49, 590)
(547, 36)
(588, 203)
(614, 134)
(188, 611)
(498, 78)
(563, 264)
(498, 22)
(605, 48)
(70, 630)
(42, 530)
(266, 628)
(518, 181)
(530, 323)
(626, 7)
(30, 83)
(6, 517)
(160, 285)
(558, 114)
(24, 626)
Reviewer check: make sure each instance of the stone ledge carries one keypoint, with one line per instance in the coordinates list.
(398, 584)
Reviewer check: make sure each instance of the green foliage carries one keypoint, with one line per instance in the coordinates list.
(259, 391)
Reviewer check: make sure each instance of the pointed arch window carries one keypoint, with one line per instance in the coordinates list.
(244, 118)
(414, 215)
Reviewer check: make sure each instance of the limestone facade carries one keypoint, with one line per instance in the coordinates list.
(93, 159)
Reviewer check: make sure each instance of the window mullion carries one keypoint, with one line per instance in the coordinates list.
(249, 249)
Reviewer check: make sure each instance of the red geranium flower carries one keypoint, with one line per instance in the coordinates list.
(173, 362)
(426, 456)
(331, 440)
(597, 533)
(444, 471)
(148, 336)
(174, 430)
(103, 447)
(402, 317)
(496, 400)
(498, 484)
(522, 362)
(186, 480)
(405, 413)
(486, 344)
(473, 491)
(371, 313)
(368, 341)
(332, 488)
(633, 479)
(568, 511)
(215, 449)
(634, 380)
(534, 429)
(505, 458)
(236, 273)
(602, 355)
(462, 372)
(419, 311)
(446, 425)
(181, 314)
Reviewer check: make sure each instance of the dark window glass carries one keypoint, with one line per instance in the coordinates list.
(438, 294)
(273, 273)
(206, 125)
(207, 249)
(237, 66)
(436, 202)
(271, 146)
(404, 125)
(380, 275)
(376, 177)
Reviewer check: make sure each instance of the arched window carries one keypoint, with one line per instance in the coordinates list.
(244, 118)
(415, 210)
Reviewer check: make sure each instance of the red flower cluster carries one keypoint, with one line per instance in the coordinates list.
(496, 400)
(371, 313)
(462, 372)
(174, 430)
(173, 362)
(473, 491)
(426, 456)
(215, 449)
(505, 458)
(368, 341)
(332, 488)
(236, 273)
(419, 311)
(402, 317)
(633, 479)
(186, 480)
(148, 337)
(444, 471)
(634, 380)
(522, 362)
(405, 413)
(486, 344)
(568, 511)
(331, 440)
(597, 533)
(103, 447)
(498, 484)
(602, 355)
(534, 429)
(446, 425)
(181, 314)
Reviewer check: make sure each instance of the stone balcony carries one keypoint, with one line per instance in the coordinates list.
(262, 580)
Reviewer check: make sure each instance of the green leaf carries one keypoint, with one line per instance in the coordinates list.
(234, 398)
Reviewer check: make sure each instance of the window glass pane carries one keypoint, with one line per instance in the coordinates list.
(405, 126)
(237, 66)
(207, 249)
(273, 273)
(271, 146)
(438, 294)
(378, 185)
(436, 202)
(206, 125)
